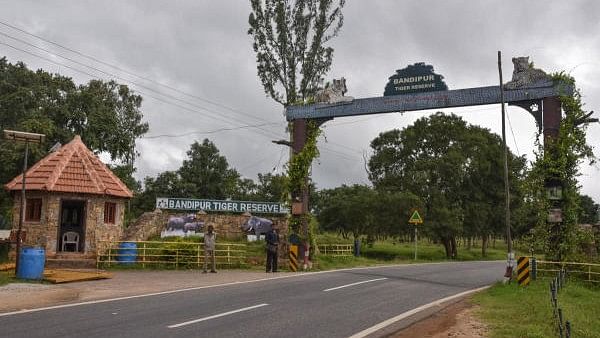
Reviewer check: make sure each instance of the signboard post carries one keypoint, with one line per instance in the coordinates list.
(415, 219)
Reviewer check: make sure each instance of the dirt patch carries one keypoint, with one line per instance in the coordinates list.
(456, 320)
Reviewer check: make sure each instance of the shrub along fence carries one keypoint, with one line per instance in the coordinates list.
(168, 254)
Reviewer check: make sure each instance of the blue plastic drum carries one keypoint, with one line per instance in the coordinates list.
(31, 263)
(127, 253)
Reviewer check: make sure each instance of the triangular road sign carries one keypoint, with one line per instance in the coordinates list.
(415, 218)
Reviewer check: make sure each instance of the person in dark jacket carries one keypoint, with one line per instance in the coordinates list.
(272, 240)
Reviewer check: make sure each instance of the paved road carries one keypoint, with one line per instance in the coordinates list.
(332, 304)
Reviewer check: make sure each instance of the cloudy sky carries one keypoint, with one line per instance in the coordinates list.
(193, 63)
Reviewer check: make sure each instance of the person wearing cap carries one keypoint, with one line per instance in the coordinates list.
(209, 248)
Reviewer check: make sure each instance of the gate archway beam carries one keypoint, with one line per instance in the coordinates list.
(522, 97)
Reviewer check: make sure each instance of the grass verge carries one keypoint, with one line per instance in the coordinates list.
(513, 311)
(4, 278)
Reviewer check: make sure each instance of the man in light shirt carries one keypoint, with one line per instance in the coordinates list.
(209, 248)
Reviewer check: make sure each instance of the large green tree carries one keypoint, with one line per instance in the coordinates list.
(456, 170)
(206, 174)
(106, 115)
(290, 40)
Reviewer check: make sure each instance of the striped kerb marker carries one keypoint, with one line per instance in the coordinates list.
(293, 258)
(523, 271)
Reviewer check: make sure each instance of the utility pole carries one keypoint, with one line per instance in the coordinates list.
(510, 255)
(20, 136)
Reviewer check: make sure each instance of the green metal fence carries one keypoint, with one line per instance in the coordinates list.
(169, 254)
(337, 250)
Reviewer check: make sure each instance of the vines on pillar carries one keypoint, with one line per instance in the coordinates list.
(298, 172)
(556, 168)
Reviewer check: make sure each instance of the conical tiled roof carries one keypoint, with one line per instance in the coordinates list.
(72, 168)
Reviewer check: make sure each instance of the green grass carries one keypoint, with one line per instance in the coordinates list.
(4, 278)
(513, 311)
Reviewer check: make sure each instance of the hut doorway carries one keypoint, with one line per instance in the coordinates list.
(72, 226)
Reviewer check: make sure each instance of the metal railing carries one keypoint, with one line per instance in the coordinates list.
(169, 254)
(562, 326)
(337, 250)
(588, 272)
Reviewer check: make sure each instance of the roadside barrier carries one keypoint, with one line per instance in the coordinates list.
(169, 254)
(587, 272)
(563, 327)
(523, 271)
(293, 258)
(336, 250)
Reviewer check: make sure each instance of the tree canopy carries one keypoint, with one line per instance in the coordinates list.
(106, 115)
(455, 169)
(289, 41)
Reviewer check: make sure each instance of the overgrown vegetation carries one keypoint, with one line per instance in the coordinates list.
(557, 164)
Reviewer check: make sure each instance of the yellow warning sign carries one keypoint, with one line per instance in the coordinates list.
(293, 258)
(523, 271)
(415, 218)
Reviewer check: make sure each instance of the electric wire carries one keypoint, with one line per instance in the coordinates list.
(341, 154)
(138, 76)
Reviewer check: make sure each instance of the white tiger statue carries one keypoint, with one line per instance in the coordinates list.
(333, 93)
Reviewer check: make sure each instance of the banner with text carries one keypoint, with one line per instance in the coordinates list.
(216, 205)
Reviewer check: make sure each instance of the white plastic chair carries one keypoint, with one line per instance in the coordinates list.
(70, 237)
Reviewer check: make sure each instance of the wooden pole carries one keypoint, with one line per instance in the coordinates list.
(506, 187)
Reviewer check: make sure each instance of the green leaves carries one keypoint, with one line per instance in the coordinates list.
(106, 115)
(454, 168)
(289, 38)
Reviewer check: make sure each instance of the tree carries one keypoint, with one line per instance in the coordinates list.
(454, 168)
(206, 174)
(289, 41)
(588, 211)
(271, 187)
(292, 59)
(359, 210)
(106, 115)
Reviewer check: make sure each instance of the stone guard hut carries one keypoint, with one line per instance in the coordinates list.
(73, 201)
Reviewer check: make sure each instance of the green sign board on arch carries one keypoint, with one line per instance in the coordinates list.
(415, 78)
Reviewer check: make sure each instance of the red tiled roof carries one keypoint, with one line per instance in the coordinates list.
(72, 168)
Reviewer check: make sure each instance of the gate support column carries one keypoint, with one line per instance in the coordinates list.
(551, 117)
(300, 198)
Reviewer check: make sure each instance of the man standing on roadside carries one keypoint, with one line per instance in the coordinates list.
(209, 248)
(272, 240)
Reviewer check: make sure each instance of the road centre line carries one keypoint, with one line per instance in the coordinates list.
(406, 314)
(347, 285)
(216, 316)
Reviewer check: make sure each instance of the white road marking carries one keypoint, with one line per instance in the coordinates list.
(299, 274)
(216, 316)
(406, 314)
(347, 285)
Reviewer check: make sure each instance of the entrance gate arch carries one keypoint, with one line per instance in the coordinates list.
(530, 89)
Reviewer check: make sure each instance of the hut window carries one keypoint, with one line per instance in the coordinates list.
(110, 209)
(33, 209)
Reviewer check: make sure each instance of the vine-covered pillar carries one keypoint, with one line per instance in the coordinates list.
(300, 198)
(299, 128)
(553, 181)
